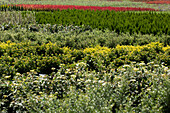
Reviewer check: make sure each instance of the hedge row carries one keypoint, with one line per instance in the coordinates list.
(142, 22)
(23, 57)
(79, 37)
(145, 22)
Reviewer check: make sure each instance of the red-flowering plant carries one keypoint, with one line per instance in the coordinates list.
(158, 2)
(62, 7)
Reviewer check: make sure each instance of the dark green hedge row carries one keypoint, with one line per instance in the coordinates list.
(145, 22)
(80, 37)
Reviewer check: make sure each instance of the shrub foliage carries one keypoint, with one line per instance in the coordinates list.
(136, 87)
(145, 23)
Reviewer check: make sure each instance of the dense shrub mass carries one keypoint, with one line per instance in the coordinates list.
(136, 87)
(145, 23)
(77, 37)
(23, 57)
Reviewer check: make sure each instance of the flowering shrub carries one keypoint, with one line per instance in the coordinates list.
(23, 57)
(136, 87)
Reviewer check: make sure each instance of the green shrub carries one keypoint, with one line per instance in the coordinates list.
(79, 37)
(137, 87)
(120, 22)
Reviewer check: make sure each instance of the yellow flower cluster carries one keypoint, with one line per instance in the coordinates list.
(166, 48)
(4, 45)
(97, 50)
(138, 48)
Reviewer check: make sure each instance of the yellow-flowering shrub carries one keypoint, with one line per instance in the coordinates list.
(26, 56)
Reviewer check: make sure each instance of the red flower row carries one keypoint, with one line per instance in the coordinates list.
(158, 2)
(61, 7)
